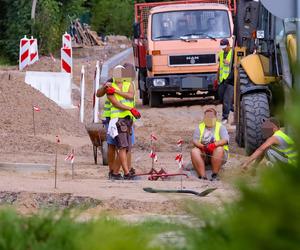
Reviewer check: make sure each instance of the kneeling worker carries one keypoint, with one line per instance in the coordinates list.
(211, 145)
(278, 147)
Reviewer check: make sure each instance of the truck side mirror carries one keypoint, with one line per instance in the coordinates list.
(136, 30)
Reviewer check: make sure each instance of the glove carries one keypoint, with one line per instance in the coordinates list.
(110, 91)
(210, 148)
(216, 85)
(135, 113)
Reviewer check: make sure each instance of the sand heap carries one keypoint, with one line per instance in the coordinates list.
(16, 127)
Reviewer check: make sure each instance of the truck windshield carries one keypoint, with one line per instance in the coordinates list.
(198, 24)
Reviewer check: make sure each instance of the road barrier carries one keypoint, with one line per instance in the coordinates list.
(82, 94)
(57, 86)
(66, 41)
(66, 60)
(34, 53)
(24, 56)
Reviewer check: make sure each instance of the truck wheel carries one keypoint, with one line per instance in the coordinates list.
(255, 108)
(104, 152)
(145, 97)
(155, 99)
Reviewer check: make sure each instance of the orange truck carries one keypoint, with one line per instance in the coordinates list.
(176, 46)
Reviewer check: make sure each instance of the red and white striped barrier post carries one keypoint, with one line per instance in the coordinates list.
(179, 158)
(24, 55)
(34, 54)
(95, 98)
(66, 60)
(82, 93)
(66, 41)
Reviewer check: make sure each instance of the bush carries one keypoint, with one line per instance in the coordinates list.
(113, 17)
(52, 20)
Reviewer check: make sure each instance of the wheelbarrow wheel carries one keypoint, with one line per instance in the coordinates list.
(95, 154)
(104, 152)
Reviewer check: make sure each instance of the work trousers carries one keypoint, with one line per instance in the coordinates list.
(226, 92)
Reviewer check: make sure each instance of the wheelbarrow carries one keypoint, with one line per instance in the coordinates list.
(97, 135)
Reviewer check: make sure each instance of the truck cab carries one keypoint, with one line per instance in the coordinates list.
(181, 47)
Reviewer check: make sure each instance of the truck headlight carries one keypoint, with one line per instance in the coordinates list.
(159, 82)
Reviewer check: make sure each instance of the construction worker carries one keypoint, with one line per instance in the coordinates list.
(211, 145)
(113, 160)
(224, 82)
(278, 147)
(121, 96)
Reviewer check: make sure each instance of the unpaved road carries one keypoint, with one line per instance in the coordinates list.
(176, 119)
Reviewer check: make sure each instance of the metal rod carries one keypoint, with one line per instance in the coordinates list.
(72, 163)
(33, 120)
(55, 169)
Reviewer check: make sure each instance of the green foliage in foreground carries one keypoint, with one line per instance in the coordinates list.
(266, 217)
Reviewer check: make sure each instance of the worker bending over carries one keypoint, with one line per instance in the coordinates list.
(211, 145)
(278, 147)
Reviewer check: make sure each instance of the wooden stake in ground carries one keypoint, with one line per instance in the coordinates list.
(34, 109)
(55, 166)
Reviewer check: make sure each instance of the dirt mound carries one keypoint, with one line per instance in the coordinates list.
(45, 63)
(16, 122)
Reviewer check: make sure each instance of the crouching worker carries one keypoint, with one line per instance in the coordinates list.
(211, 145)
(278, 146)
(122, 114)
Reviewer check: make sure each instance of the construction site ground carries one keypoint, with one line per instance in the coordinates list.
(30, 191)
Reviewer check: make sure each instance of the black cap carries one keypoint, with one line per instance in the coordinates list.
(224, 41)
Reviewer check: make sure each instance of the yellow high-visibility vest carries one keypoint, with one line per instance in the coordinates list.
(290, 151)
(106, 109)
(224, 70)
(216, 135)
(118, 113)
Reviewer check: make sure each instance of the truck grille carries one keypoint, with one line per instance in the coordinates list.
(192, 60)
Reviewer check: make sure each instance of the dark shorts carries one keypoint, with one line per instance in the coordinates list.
(124, 139)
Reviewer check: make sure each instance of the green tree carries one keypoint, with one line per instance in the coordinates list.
(113, 17)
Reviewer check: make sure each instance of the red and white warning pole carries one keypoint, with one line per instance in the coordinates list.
(95, 98)
(24, 56)
(34, 54)
(66, 40)
(66, 60)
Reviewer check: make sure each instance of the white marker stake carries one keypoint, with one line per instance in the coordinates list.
(96, 87)
(82, 91)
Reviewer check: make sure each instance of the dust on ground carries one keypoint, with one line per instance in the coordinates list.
(177, 119)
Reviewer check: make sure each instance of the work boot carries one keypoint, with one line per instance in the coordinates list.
(116, 177)
(214, 177)
(132, 171)
(128, 176)
(202, 178)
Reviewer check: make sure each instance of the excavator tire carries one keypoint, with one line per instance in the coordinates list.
(255, 108)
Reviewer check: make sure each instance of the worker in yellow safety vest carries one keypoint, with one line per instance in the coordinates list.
(224, 82)
(278, 146)
(122, 114)
(210, 145)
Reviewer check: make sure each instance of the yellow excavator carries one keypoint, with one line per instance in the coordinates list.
(265, 54)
